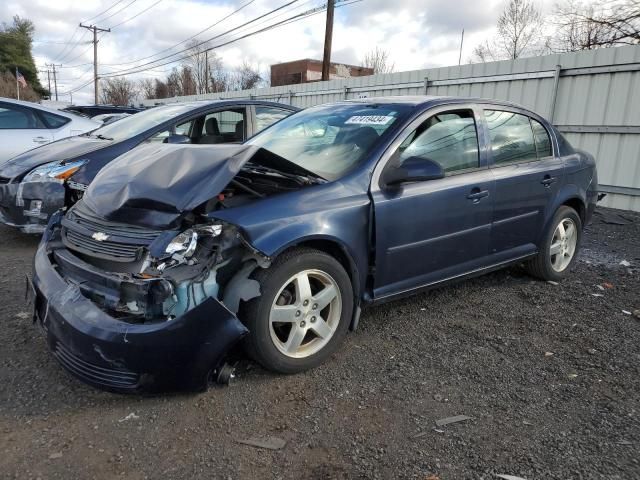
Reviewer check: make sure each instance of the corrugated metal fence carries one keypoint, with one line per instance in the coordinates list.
(593, 97)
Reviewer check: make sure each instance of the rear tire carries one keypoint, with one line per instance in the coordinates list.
(559, 246)
(302, 314)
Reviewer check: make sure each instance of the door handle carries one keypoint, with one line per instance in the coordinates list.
(40, 140)
(548, 180)
(477, 194)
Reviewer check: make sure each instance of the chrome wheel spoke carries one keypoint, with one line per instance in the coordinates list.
(303, 287)
(284, 314)
(321, 328)
(296, 335)
(561, 230)
(555, 249)
(570, 231)
(325, 297)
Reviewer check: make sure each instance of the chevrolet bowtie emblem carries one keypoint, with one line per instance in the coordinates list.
(99, 236)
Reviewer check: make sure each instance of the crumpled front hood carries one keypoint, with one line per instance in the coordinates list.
(65, 149)
(154, 184)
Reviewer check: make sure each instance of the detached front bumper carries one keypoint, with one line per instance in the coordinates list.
(28, 205)
(115, 355)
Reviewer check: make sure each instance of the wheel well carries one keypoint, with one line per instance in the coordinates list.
(578, 206)
(336, 251)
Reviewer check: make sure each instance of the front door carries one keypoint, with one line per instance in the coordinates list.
(527, 176)
(432, 230)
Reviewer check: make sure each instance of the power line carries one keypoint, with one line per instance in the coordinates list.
(136, 15)
(104, 11)
(212, 38)
(292, 19)
(185, 40)
(117, 11)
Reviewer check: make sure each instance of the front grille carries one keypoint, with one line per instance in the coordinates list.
(115, 241)
(109, 377)
(103, 249)
(91, 222)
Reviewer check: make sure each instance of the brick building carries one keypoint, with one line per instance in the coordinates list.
(308, 70)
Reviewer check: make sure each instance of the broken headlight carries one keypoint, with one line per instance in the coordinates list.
(53, 171)
(185, 243)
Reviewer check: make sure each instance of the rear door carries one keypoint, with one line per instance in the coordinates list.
(432, 230)
(527, 177)
(21, 129)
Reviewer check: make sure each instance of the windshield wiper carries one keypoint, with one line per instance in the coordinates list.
(102, 137)
(310, 178)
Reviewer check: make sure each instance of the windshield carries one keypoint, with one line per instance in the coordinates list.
(330, 140)
(140, 122)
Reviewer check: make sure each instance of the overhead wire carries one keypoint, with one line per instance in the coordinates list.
(212, 38)
(136, 15)
(186, 39)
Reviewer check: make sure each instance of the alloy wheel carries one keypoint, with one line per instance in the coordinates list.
(563, 244)
(305, 313)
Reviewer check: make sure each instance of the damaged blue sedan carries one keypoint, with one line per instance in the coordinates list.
(177, 254)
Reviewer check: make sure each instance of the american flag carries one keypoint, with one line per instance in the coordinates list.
(20, 79)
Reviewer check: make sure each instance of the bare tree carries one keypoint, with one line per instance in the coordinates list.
(379, 60)
(147, 88)
(246, 77)
(198, 62)
(160, 89)
(586, 27)
(219, 77)
(118, 91)
(188, 84)
(519, 27)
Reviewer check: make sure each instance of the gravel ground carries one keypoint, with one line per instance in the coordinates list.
(549, 375)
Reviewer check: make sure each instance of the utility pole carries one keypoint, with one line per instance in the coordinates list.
(55, 79)
(461, 42)
(328, 35)
(95, 31)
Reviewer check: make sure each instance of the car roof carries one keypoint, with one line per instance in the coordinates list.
(431, 100)
(228, 101)
(62, 113)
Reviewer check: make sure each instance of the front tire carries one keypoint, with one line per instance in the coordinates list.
(302, 314)
(559, 247)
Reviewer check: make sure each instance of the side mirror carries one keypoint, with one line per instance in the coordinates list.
(177, 139)
(412, 169)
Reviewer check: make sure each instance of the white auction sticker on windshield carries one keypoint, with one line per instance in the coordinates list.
(370, 119)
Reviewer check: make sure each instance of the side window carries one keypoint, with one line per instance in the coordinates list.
(184, 128)
(266, 116)
(224, 126)
(12, 117)
(448, 138)
(53, 120)
(511, 137)
(542, 139)
(158, 137)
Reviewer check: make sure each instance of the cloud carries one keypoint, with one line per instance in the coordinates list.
(417, 33)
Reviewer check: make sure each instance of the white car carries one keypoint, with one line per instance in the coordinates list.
(26, 125)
